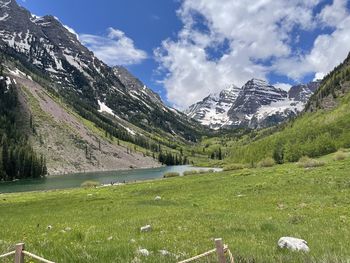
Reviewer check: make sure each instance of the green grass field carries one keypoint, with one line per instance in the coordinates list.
(250, 209)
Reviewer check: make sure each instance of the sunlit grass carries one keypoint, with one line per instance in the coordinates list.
(250, 209)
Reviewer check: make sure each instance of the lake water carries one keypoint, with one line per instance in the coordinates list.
(75, 180)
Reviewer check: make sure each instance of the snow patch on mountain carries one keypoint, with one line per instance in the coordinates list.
(4, 16)
(105, 108)
(279, 107)
(212, 110)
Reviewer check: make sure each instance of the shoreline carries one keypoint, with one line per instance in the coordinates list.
(52, 175)
(102, 184)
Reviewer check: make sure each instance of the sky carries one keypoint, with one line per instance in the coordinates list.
(186, 49)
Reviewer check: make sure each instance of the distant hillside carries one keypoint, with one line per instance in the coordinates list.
(334, 86)
(323, 127)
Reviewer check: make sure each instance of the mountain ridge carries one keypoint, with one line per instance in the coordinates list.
(256, 104)
(108, 119)
(49, 47)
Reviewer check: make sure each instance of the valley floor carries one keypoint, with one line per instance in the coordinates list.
(250, 209)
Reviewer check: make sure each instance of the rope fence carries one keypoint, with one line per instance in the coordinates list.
(220, 250)
(19, 253)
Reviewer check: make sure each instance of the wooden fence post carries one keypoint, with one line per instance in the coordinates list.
(220, 250)
(19, 256)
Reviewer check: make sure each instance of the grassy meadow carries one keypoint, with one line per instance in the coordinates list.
(249, 208)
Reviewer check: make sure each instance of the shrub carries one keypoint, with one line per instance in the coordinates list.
(307, 162)
(171, 174)
(90, 184)
(267, 162)
(340, 155)
(193, 172)
(190, 172)
(235, 166)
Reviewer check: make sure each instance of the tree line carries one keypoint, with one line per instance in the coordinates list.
(172, 159)
(17, 158)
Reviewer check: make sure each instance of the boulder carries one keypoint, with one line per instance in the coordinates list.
(143, 252)
(294, 244)
(157, 198)
(164, 252)
(146, 228)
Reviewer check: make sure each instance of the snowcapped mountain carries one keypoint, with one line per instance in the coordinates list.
(257, 104)
(46, 48)
(212, 110)
(303, 92)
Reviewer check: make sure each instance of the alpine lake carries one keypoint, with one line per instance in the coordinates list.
(104, 178)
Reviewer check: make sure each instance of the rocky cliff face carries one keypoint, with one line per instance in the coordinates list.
(212, 110)
(303, 92)
(257, 104)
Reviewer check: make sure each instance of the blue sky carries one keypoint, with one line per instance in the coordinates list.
(185, 49)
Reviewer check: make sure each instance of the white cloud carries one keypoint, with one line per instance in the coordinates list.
(114, 49)
(318, 76)
(256, 31)
(334, 14)
(328, 51)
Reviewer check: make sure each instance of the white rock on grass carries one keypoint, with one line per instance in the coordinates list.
(158, 198)
(67, 229)
(110, 238)
(49, 227)
(146, 228)
(164, 252)
(143, 252)
(294, 244)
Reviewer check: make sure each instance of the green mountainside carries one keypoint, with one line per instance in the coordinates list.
(322, 128)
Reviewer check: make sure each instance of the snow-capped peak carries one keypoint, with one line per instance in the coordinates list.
(212, 110)
(256, 104)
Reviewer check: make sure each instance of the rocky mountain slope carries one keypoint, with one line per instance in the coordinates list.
(69, 143)
(257, 104)
(44, 46)
(86, 115)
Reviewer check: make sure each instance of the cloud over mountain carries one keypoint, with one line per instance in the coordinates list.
(223, 42)
(115, 48)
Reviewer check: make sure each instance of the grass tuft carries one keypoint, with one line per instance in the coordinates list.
(307, 162)
(340, 155)
(171, 174)
(90, 184)
(233, 167)
(193, 172)
(267, 162)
